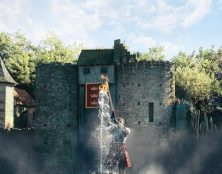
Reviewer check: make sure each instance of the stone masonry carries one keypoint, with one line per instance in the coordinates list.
(139, 85)
(56, 121)
(142, 83)
(141, 89)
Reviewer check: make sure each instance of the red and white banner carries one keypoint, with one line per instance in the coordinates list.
(92, 94)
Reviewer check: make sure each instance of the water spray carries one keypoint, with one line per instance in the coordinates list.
(104, 113)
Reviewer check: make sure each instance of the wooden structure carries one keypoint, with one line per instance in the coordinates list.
(91, 65)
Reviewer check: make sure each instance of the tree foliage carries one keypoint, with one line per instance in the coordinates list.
(198, 74)
(196, 83)
(21, 57)
(154, 53)
(52, 49)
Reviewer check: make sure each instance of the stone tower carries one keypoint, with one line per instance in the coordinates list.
(6, 98)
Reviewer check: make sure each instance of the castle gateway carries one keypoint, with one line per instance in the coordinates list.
(66, 97)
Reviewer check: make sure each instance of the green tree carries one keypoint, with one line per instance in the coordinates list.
(6, 45)
(198, 75)
(21, 57)
(195, 83)
(52, 49)
(154, 53)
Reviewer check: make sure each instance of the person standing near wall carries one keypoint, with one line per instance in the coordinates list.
(118, 154)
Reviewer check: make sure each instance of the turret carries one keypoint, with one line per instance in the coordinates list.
(7, 84)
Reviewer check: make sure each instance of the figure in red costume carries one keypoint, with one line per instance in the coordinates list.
(118, 155)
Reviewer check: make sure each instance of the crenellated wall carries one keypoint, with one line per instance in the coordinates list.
(143, 93)
(145, 89)
(141, 84)
(57, 117)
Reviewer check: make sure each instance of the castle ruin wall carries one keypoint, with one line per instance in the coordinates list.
(56, 117)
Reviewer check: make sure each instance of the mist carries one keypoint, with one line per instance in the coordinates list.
(151, 152)
(17, 152)
(175, 153)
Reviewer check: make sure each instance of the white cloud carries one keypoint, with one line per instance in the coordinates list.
(144, 41)
(17, 16)
(83, 21)
(104, 9)
(12, 14)
(171, 49)
(141, 41)
(73, 22)
(168, 16)
(200, 8)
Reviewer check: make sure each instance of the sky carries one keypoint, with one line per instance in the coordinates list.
(182, 25)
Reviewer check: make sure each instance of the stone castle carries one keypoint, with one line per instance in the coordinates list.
(142, 92)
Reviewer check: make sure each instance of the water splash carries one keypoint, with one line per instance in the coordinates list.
(104, 135)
